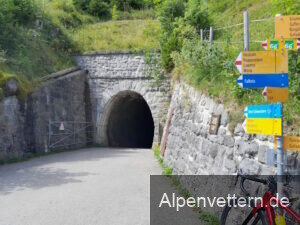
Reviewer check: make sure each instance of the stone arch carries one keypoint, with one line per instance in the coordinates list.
(127, 121)
(114, 72)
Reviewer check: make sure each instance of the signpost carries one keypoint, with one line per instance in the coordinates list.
(269, 70)
(278, 44)
(263, 111)
(263, 80)
(273, 95)
(262, 62)
(264, 126)
(290, 143)
(287, 26)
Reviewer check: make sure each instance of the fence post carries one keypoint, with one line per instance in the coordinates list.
(201, 34)
(211, 35)
(246, 31)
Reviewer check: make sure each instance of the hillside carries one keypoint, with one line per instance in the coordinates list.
(42, 39)
(211, 68)
(29, 50)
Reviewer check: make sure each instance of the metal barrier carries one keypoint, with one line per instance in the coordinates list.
(68, 133)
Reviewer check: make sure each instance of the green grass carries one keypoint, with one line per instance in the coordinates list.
(223, 86)
(166, 171)
(117, 35)
(31, 53)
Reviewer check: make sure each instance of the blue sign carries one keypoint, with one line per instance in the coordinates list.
(263, 111)
(263, 80)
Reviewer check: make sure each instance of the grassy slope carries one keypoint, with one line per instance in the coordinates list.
(230, 13)
(118, 35)
(35, 53)
(138, 33)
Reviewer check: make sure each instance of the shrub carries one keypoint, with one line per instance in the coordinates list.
(114, 13)
(81, 4)
(17, 11)
(99, 8)
(169, 15)
(70, 20)
(169, 11)
(24, 11)
(195, 15)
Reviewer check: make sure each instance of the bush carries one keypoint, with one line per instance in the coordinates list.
(24, 11)
(169, 11)
(70, 20)
(196, 16)
(17, 11)
(99, 8)
(169, 15)
(127, 5)
(81, 4)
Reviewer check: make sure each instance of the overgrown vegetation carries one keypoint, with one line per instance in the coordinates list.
(106, 9)
(118, 35)
(155, 70)
(37, 39)
(166, 171)
(211, 67)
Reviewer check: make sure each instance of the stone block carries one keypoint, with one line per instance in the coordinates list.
(246, 148)
(229, 141)
(262, 151)
(213, 150)
(250, 166)
(239, 130)
(230, 165)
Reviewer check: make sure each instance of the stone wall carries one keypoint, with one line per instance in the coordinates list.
(112, 73)
(24, 125)
(60, 101)
(190, 149)
(80, 96)
(12, 137)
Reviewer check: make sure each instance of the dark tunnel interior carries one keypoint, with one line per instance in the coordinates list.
(130, 123)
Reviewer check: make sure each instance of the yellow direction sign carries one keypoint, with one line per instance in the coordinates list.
(290, 143)
(273, 95)
(287, 26)
(264, 126)
(264, 62)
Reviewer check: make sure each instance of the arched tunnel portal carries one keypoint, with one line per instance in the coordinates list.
(128, 121)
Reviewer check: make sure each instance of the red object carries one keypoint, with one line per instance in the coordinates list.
(165, 138)
(266, 204)
(238, 63)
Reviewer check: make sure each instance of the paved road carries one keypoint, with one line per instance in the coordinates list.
(86, 187)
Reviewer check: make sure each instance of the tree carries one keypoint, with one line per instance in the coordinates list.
(99, 8)
(195, 15)
(81, 4)
(24, 11)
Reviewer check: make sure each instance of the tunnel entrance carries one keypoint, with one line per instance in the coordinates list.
(130, 123)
